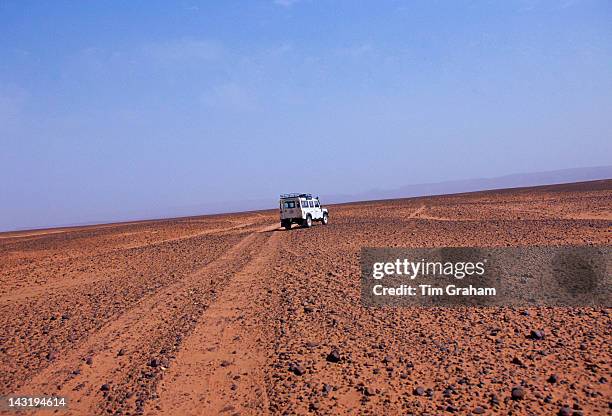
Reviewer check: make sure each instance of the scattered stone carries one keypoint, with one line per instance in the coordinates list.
(517, 361)
(368, 391)
(451, 409)
(121, 352)
(517, 393)
(419, 391)
(89, 360)
(478, 410)
(565, 411)
(227, 408)
(495, 400)
(553, 378)
(51, 355)
(225, 363)
(334, 356)
(536, 335)
(327, 389)
(308, 309)
(105, 387)
(297, 369)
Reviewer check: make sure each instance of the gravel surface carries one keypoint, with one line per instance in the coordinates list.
(230, 314)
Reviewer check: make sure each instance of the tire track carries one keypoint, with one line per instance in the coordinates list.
(148, 336)
(220, 367)
(35, 332)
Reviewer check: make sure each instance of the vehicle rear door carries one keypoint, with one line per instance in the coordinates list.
(304, 205)
(318, 212)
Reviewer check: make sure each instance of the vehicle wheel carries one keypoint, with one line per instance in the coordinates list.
(324, 220)
(287, 225)
(308, 222)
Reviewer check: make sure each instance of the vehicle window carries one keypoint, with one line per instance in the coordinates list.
(304, 204)
(289, 204)
(311, 204)
(317, 204)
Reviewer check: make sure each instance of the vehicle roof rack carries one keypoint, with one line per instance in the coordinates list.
(296, 195)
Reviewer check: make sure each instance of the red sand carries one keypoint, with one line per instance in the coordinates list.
(230, 314)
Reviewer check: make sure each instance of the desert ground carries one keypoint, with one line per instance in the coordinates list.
(232, 315)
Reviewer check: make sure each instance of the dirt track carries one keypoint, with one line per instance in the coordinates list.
(229, 314)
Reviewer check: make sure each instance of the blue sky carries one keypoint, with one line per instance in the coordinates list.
(116, 110)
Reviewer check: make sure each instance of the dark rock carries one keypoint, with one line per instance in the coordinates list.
(89, 360)
(297, 369)
(327, 388)
(553, 378)
(478, 410)
(517, 393)
(121, 352)
(517, 361)
(225, 363)
(369, 391)
(565, 411)
(51, 355)
(419, 391)
(536, 335)
(105, 387)
(334, 356)
(451, 409)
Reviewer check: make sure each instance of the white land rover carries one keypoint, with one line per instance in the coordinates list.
(301, 209)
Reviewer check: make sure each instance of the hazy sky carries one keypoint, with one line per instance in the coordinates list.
(110, 110)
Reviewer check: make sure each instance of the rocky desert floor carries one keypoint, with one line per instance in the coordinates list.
(232, 315)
